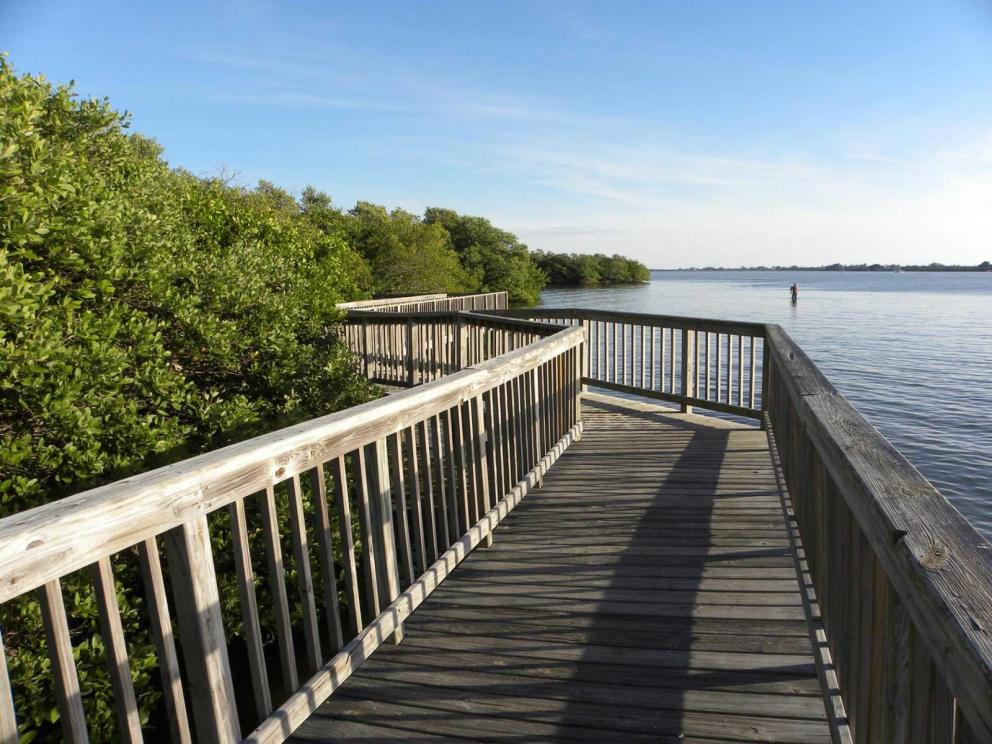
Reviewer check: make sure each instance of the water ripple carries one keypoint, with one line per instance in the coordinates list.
(912, 351)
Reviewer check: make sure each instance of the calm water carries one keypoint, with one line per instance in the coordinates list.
(912, 351)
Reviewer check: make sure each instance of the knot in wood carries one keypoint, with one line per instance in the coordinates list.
(935, 557)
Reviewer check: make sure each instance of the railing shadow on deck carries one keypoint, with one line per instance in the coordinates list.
(651, 473)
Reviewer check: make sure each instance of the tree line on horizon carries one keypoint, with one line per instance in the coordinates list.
(148, 315)
(935, 266)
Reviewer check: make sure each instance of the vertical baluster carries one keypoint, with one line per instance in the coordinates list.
(485, 457)
(460, 429)
(688, 368)
(429, 490)
(417, 507)
(398, 491)
(451, 431)
(615, 377)
(498, 439)
(382, 512)
(277, 587)
(326, 551)
(671, 361)
(249, 610)
(444, 478)
(342, 504)
(754, 369)
(165, 643)
(653, 364)
(740, 370)
(67, 694)
(125, 702)
(304, 578)
(370, 549)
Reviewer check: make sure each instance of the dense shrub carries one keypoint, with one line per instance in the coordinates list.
(407, 255)
(495, 258)
(144, 315)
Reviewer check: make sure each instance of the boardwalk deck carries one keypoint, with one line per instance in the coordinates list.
(647, 592)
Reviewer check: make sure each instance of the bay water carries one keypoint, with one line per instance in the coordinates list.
(912, 351)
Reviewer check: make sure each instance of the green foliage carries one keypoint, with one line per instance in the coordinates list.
(494, 257)
(145, 315)
(407, 256)
(591, 269)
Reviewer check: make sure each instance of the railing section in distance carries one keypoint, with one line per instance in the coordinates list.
(398, 490)
(431, 303)
(412, 348)
(711, 364)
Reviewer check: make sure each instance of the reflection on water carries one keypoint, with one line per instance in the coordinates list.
(912, 351)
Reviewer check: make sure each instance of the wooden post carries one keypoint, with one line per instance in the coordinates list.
(688, 368)
(765, 376)
(201, 632)
(584, 365)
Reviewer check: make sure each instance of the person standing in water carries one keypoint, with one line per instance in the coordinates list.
(794, 289)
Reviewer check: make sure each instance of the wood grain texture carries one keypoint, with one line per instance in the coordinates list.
(938, 565)
(579, 624)
(165, 642)
(201, 628)
(67, 693)
(307, 699)
(249, 611)
(125, 702)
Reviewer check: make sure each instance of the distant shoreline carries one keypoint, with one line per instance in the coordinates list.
(983, 267)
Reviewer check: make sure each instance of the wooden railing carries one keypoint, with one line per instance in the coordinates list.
(411, 348)
(401, 489)
(898, 584)
(903, 582)
(431, 303)
(711, 364)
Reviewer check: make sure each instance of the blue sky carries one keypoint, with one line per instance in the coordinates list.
(680, 133)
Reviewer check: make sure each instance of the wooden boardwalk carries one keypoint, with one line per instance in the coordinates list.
(648, 592)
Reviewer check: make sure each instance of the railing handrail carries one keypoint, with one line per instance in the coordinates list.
(53, 540)
(489, 317)
(938, 563)
(498, 299)
(357, 304)
(749, 328)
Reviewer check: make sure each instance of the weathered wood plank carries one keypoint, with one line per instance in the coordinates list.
(125, 702)
(249, 611)
(165, 642)
(304, 577)
(68, 697)
(277, 588)
(201, 628)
